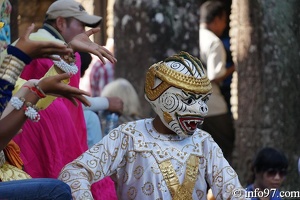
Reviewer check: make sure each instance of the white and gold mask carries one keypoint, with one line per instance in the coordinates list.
(178, 89)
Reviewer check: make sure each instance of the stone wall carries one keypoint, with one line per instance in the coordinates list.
(146, 32)
(32, 11)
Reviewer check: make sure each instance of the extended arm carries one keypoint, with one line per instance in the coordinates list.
(112, 104)
(220, 176)
(13, 119)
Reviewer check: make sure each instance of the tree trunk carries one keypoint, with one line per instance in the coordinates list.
(265, 45)
(33, 11)
(149, 31)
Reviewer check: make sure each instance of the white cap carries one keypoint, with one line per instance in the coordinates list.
(71, 8)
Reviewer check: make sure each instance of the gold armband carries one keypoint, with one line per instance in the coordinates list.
(11, 68)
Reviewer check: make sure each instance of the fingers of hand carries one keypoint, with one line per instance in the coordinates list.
(28, 31)
(83, 100)
(103, 52)
(74, 91)
(73, 100)
(63, 76)
(92, 31)
(50, 51)
(81, 92)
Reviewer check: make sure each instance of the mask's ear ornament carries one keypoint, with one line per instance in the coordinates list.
(177, 89)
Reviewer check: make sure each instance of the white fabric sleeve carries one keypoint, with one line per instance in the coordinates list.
(97, 103)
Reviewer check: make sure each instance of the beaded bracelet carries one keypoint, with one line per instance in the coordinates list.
(63, 65)
(17, 102)
(31, 111)
(41, 92)
(36, 90)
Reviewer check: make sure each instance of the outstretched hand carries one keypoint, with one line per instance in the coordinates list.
(53, 85)
(37, 49)
(82, 43)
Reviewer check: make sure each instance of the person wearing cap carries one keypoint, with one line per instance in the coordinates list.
(71, 8)
(61, 135)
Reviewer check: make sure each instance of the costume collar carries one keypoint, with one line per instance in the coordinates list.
(53, 31)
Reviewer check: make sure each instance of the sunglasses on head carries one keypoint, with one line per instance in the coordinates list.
(273, 172)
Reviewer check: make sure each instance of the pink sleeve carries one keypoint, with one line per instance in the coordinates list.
(36, 69)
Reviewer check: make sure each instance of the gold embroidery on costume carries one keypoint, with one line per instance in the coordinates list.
(10, 166)
(148, 188)
(9, 172)
(125, 177)
(138, 172)
(131, 193)
(199, 194)
(185, 190)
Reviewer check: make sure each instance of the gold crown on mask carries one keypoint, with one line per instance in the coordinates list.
(173, 78)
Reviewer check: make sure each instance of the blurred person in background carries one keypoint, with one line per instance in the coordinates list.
(213, 21)
(93, 123)
(98, 75)
(124, 90)
(269, 169)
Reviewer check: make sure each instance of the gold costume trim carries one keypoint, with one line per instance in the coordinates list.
(185, 190)
(171, 77)
(9, 173)
(151, 92)
(170, 176)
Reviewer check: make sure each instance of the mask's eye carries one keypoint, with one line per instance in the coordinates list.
(189, 101)
(205, 99)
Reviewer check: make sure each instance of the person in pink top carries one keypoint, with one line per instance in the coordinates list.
(60, 136)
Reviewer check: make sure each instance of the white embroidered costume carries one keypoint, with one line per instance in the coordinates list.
(131, 154)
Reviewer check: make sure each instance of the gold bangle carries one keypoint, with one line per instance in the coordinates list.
(11, 68)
